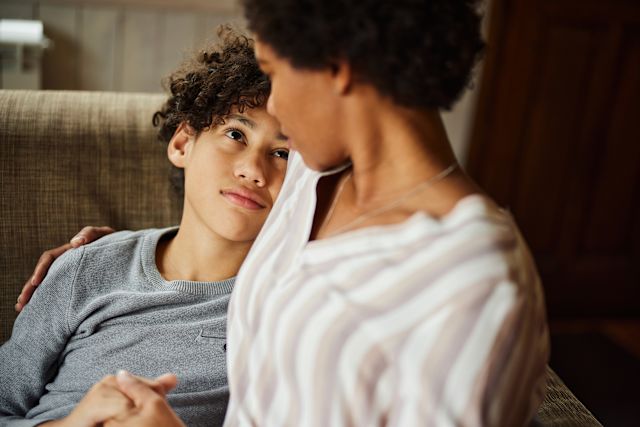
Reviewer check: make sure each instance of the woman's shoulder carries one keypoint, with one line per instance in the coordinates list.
(474, 217)
(476, 238)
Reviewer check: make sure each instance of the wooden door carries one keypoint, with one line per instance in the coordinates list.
(557, 140)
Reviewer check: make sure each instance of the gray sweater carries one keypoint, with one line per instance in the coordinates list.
(105, 307)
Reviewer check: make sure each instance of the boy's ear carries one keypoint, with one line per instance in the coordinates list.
(180, 143)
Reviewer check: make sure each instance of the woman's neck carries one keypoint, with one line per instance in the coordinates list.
(401, 165)
(395, 149)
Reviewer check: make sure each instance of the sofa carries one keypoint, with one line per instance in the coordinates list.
(71, 159)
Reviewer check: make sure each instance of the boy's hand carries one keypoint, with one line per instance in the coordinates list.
(151, 407)
(105, 403)
(102, 402)
(86, 235)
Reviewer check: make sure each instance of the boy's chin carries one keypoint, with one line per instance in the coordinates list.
(241, 235)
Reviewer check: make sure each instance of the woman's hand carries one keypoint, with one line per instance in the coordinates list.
(103, 401)
(86, 235)
(151, 408)
(106, 403)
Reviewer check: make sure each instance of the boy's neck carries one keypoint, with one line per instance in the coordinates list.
(192, 255)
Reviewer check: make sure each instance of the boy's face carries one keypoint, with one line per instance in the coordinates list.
(233, 173)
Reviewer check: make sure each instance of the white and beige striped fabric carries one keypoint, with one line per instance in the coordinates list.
(427, 322)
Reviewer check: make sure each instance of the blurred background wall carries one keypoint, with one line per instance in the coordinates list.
(129, 45)
(555, 138)
(550, 129)
(119, 45)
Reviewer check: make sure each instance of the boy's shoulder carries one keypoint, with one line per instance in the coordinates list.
(118, 237)
(124, 238)
(120, 245)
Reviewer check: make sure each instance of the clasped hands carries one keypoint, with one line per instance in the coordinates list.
(124, 400)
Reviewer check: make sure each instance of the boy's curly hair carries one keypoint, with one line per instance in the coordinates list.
(205, 89)
(420, 53)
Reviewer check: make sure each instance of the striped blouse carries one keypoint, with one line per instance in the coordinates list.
(430, 322)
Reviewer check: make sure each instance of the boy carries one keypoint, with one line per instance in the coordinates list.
(155, 300)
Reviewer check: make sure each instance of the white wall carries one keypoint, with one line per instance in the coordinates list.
(459, 121)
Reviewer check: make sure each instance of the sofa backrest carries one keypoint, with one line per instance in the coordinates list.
(70, 159)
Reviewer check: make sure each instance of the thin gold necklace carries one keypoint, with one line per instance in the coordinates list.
(367, 215)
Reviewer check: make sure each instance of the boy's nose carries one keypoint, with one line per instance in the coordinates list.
(251, 169)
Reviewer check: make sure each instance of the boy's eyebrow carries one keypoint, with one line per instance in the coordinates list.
(244, 120)
(251, 125)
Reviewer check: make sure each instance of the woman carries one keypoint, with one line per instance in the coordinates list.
(385, 288)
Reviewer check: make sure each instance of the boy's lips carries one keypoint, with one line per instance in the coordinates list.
(244, 198)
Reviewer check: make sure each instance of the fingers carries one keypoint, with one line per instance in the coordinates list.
(89, 234)
(151, 408)
(25, 295)
(137, 390)
(86, 235)
(103, 401)
(161, 385)
(167, 381)
(45, 261)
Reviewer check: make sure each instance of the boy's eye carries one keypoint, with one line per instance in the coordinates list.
(283, 154)
(234, 134)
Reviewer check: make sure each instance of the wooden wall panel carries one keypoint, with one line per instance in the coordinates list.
(16, 10)
(608, 230)
(556, 109)
(61, 62)
(557, 141)
(179, 37)
(114, 45)
(208, 24)
(99, 46)
(141, 51)
(184, 34)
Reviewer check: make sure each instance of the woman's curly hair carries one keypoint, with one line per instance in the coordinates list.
(420, 53)
(205, 89)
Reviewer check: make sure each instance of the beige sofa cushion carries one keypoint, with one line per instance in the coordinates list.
(70, 159)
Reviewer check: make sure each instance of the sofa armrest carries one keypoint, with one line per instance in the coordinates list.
(561, 408)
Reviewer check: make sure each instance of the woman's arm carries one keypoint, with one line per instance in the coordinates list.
(86, 235)
(487, 366)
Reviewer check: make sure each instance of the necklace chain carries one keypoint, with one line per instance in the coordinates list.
(367, 215)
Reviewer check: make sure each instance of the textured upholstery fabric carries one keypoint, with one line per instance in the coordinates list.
(70, 159)
(561, 408)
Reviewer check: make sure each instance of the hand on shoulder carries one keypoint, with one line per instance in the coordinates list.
(86, 235)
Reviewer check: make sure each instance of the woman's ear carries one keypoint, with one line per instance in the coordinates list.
(180, 144)
(342, 76)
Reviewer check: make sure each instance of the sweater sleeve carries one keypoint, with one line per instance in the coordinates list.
(30, 358)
